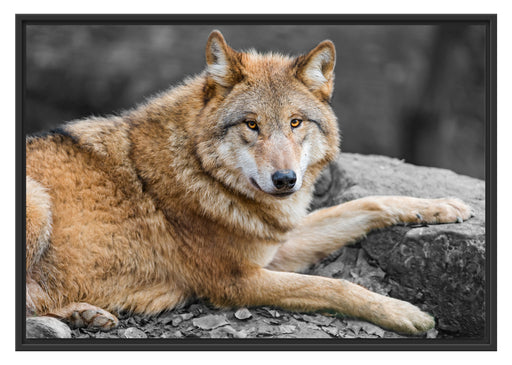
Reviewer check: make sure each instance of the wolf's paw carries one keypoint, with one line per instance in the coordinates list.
(403, 317)
(445, 210)
(97, 319)
(79, 315)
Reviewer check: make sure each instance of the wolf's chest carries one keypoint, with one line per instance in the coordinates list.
(262, 254)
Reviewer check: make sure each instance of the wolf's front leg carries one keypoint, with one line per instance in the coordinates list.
(299, 292)
(326, 230)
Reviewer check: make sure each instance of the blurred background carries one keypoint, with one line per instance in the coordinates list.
(415, 92)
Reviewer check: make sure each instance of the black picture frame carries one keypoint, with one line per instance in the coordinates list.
(487, 343)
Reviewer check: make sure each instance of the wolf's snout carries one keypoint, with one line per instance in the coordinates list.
(284, 179)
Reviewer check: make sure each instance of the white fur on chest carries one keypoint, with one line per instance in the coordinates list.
(263, 254)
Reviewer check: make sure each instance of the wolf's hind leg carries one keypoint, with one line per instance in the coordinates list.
(326, 230)
(38, 222)
(79, 315)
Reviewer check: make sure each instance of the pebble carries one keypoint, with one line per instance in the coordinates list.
(243, 313)
(265, 329)
(308, 330)
(273, 321)
(227, 332)
(170, 334)
(372, 329)
(132, 332)
(287, 328)
(319, 319)
(432, 333)
(274, 313)
(210, 321)
(333, 331)
(186, 316)
(176, 321)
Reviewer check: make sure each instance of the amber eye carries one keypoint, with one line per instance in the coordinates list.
(252, 124)
(295, 123)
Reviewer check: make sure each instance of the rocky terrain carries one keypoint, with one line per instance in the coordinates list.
(440, 268)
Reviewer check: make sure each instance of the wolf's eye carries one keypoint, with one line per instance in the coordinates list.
(295, 123)
(252, 125)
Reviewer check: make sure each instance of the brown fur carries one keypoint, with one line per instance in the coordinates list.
(142, 211)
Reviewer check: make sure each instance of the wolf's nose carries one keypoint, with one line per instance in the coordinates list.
(284, 179)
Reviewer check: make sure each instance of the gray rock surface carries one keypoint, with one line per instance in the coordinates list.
(46, 327)
(440, 268)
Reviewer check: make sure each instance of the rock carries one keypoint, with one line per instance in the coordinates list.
(132, 332)
(318, 319)
(441, 268)
(287, 328)
(274, 313)
(333, 331)
(264, 329)
(362, 328)
(227, 332)
(372, 329)
(243, 313)
(176, 321)
(171, 334)
(432, 333)
(110, 334)
(308, 330)
(272, 321)
(46, 327)
(166, 318)
(186, 316)
(210, 321)
(355, 325)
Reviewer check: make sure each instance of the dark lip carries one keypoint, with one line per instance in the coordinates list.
(277, 195)
(283, 195)
(255, 183)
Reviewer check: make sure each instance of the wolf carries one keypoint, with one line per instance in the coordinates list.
(203, 192)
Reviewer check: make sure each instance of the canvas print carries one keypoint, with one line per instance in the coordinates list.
(252, 182)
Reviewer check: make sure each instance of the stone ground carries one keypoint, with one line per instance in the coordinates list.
(201, 321)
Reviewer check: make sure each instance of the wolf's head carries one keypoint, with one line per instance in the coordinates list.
(267, 128)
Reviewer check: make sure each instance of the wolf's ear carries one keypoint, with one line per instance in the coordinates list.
(223, 65)
(316, 69)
